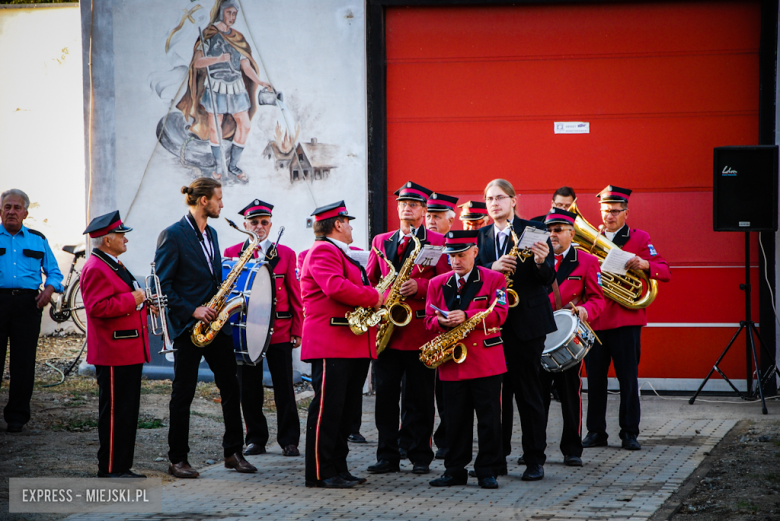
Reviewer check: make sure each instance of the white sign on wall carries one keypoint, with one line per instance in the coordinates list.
(572, 127)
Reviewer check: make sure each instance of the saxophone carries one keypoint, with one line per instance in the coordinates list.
(397, 312)
(512, 298)
(362, 318)
(202, 333)
(448, 345)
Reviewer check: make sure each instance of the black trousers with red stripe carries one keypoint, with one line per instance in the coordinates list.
(250, 380)
(419, 413)
(338, 392)
(119, 401)
(569, 386)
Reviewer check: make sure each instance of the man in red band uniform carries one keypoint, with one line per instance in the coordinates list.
(474, 384)
(117, 343)
(473, 215)
(527, 324)
(620, 328)
(578, 276)
(440, 213)
(400, 359)
(332, 285)
(286, 337)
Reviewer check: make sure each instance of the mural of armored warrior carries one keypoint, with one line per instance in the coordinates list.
(232, 91)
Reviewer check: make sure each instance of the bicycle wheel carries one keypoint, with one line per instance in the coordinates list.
(76, 307)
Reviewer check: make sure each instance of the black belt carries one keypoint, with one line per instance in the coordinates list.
(18, 291)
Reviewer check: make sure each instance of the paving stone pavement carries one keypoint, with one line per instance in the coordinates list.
(614, 483)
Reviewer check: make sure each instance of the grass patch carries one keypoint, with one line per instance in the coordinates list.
(747, 505)
(78, 386)
(303, 405)
(156, 423)
(214, 417)
(78, 425)
(772, 477)
(155, 386)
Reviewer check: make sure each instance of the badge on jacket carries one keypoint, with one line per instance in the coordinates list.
(501, 296)
(652, 250)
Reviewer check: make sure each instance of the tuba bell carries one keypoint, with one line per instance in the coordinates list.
(634, 290)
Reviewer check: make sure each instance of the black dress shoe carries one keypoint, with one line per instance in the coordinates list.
(572, 461)
(630, 443)
(521, 459)
(131, 474)
(383, 467)
(441, 452)
(15, 427)
(347, 476)
(356, 437)
(498, 471)
(595, 439)
(291, 450)
(253, 449)
(102, 474)
(334, 482)
(448, 481)
(533, 473)
(421, 468)
(488, 482)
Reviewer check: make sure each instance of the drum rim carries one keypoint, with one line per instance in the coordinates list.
(575, 321)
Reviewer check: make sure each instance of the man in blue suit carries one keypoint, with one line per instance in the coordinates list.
(190, 269)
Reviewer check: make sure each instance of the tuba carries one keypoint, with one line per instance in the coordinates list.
(397, 311)
(202, 333)
(634, 290)
(362, 318)
(448, 345)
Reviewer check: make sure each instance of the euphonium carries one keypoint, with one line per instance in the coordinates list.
(634, 290)
(398, 313)
(448, 345)
(362, 318)
(203, 334)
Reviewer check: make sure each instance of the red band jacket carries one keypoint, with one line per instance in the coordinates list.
(578, 279)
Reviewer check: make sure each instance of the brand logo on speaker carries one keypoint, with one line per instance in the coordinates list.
(729, 172)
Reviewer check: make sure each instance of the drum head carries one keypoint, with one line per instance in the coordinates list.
(260, 313)
(567, 324)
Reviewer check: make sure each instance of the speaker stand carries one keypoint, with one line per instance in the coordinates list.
(750, 344)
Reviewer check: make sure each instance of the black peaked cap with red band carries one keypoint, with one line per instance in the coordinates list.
(558, 216)
(473, 211)
(257, 208)
(338, 209)
(441, 203)
(456, 241)
(105, 224)
(413, 192)
(614, 194)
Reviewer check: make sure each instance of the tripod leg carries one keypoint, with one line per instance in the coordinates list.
(715, 367)
(765, 350)
(758, 368)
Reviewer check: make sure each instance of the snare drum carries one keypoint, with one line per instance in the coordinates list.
(252, 327)
(567, 346)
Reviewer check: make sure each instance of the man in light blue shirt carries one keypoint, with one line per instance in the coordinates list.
(24, 255)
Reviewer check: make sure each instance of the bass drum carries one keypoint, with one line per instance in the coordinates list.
(252, 327)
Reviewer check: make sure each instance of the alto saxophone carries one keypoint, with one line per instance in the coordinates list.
(362, 318)
(203, 333)
(397, 312)
(512, 299)
(448, 345)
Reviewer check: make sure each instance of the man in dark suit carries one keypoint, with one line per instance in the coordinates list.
(190, 269)
(527, 325)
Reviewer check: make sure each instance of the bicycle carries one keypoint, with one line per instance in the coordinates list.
(70, 305)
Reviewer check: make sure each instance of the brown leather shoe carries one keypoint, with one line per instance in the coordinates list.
(237, 461)
(182, 470)
(291, 450)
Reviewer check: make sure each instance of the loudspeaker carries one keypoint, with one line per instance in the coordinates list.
(745, 189)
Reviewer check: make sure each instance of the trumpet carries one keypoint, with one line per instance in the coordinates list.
(154, 297)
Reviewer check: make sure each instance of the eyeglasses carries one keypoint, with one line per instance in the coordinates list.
(562, 206)
(613, 213)
(264, 222)
(412, 205)
(558, 229)
(497, 198)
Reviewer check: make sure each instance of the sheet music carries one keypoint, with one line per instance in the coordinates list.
(429, 255)
(531, 235)
(616, 261)
(444, 313)
(360, 256)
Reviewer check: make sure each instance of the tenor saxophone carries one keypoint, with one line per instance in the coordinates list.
(397, 312)
(362, 318)
(448, 345)
(203, 333)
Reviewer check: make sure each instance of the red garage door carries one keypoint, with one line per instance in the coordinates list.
(472, 94)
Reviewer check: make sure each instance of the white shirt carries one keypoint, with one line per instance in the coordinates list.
(610, 235)
(343, 245)
(412, 231)
(501, 238)
(464, 277)
(265, 246)
(208, 248)
(110, 257)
